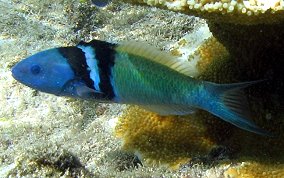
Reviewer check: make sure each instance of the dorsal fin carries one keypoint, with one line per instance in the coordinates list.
(151, 53)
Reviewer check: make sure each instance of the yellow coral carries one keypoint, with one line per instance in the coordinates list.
(209, 51)
(199, 54)
(241, 11)
(199, 48)
(249, 170)
(170, 140)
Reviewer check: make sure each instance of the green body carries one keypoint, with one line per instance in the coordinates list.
(159, 88)
(141, 81)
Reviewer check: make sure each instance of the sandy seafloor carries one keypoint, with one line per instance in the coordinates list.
(42, 135)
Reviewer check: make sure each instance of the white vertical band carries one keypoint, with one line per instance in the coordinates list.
(92, 65)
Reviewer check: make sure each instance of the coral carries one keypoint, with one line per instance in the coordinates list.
(169, 140)
(210, 50)
(226, 11)
(199, 48)
(254, 169)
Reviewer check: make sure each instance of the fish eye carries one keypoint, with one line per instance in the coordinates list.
(35, 69)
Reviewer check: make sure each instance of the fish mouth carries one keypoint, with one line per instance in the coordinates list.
(15, 73)
(19, 74)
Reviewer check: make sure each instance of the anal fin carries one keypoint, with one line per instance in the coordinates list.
(169, 109)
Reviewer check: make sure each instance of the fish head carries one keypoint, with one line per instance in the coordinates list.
(47, 71)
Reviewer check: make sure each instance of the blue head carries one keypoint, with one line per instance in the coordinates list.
(74, 71)
(47, 71)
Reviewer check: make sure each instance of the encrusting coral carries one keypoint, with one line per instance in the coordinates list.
(252, 33)
(210, 50)
(171, 140)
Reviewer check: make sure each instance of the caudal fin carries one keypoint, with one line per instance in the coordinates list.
(230, 105)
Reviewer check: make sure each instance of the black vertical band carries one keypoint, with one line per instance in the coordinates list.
(105, 56)
(77, 60)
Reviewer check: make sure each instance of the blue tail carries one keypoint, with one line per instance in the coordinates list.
(227, 101)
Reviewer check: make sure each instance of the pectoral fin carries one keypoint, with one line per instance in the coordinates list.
(77, 88)
(85, 92)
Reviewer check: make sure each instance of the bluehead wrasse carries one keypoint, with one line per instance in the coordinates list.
(101, 3)
(132, 73)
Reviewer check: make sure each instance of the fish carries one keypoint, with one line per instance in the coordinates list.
(101, 3)
(133, 73)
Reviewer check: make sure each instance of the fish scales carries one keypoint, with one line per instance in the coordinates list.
(141, 81)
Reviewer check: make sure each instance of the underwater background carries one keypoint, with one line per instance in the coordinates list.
(42, 135)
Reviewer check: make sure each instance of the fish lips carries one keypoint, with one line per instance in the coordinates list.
(18, 71)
